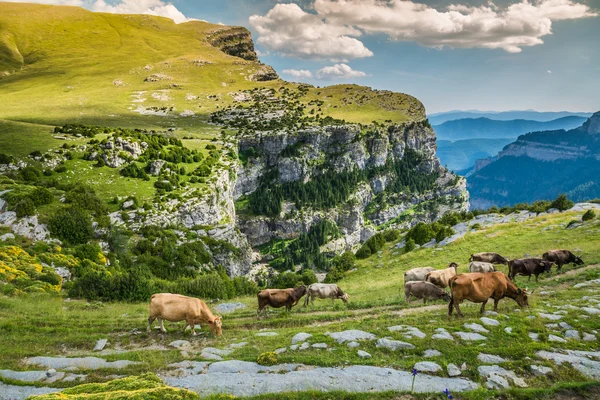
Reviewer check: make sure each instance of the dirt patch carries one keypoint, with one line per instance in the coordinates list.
(572, 272)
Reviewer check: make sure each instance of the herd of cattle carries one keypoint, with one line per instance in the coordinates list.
(482, 283)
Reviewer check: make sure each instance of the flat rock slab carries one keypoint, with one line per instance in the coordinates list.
(319, 346)
(363, 354)
(179, 344)
(187, 368)
(393, 345)
(358, 378)
(442, 334)
(431, 353)
(352, 335)
(470, 336)
(453, 370)
(300, 337)
(540, 370)
(557, 339)
(476, 328)
(229, 307)
(490, 358)
(100, 344)
(491, 371)
(266, 334)
(50, 376)
(353, 344)
(551, 317)
(591, 310)
(247, 367)
(408, 331)
(427, 366)
(583, 361)
(489, 321)
(13, 392)
(90, 363)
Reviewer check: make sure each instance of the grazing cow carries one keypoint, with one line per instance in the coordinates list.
(425, 291)
(528, 267)
(480, 287)
(417, 274)
(325, 291)
(280, 298)
(480, 266)
(175, 307)
(442, 277)
(561, 257)
(492, 258)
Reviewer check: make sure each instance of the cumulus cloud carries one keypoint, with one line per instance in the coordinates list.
(298, 73)
(339, 71)
(332, 31)
(292, 32)
(150, 7)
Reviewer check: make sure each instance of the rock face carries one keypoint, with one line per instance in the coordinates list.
(339, 149)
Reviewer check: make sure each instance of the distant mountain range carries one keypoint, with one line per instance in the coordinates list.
(485, 128)
(541, 165)
(460, 156)
(440, 118)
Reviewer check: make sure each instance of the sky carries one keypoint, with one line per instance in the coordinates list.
(450, 54)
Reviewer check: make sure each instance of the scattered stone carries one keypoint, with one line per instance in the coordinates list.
(530, 317)
(294, 346)
(352, 335)
(591, 310)
(281, 350)
(304, 346)
(431, 353)
(470, 336)
(572, 334)
(564, 325)
(554, 338)
(508, 330)
(179, 344)
(91, 363)
(393, 345)
(490, 358)
(100, 344)
(210, 356)
(363, 354)
(408, 331)
(492, 313)
(427, 366)
(588, 337)
(587, 283)
(7, 236)
(353, 344)
(300, 337)
(442, 334)
(476, 328)
(226, 308)
(540, 370)
(496, 382)
(551, 317)
(453, 370)
(495, 370)
(534, 336)
(238, 345)
(319, 345)
(583, 361)
(489, 321)
(266, 334)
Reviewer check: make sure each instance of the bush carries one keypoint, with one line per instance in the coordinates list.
(41, 196)
(421, 233)
(286, 280)
(6, 159)
(443, 233)
(72, 225)
(30, 174)
(267, 358)
(335, 274)
(573, 222)
(409, 245)
(589, 215)
(244, 286)
(25, 208)
(308, 277)
(562, 203)
(363, 252)
(391, 235)
(375, 242)
(345, 262)
(90, 252)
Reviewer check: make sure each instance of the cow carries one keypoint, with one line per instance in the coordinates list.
(417, 274)
(425, 291)
(277, 298)
(528, 267)
(561, 257)
(492, 258)
(479, 287)
(480, 266)
(442, 277)
(175, 307)
(325, 291)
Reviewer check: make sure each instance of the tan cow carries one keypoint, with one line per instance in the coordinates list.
(440, 278)
(175, 308)
(479, 287)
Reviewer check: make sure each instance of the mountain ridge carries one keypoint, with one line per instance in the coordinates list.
(540, 116)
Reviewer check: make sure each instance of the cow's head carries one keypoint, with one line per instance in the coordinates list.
(446, 296)
(453, 265)
(521, 298)
(216, 326)
(344, 297)
(547, 265)
(578, 260)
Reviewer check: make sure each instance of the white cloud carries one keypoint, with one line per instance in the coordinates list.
(548, 71)
(332, 31)
(339, 71)
(150, 7)
(261, 53)
(298, 73)
(289, 30)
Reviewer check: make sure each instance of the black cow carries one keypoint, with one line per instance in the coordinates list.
(528, 267)
(561, 257)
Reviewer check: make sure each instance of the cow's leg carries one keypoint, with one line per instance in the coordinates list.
(150, 321)
(460, 314)
(408, 298)
(162, 325)
(332, 301)
(529, 278)
(536, 277)
(424, 300)
(312, 300)
(496, 300)
(190, 322)
(450, 306)
(482, 309)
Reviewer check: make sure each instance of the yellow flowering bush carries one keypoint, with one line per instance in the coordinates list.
(26, 273)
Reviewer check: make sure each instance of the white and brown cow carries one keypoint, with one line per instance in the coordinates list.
(175, 308)
(325, 291)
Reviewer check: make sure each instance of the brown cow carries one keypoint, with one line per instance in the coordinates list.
(561, 257)
(442, 277)
(280, 297)
(175, 307)
(425, 291)
(492, 258)
(528, 267)
(479, 287)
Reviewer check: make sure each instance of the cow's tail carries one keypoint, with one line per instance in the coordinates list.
(451, 285)
(471, 258)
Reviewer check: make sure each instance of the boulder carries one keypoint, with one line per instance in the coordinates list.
(453, 370)
(540, 370)
(431, 353)
(490, 358)
(470, 336)
(489, 321)
(476, 328)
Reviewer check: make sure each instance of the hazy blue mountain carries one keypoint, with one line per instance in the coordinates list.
(541, 165)
(485, 128)
(461, 154)
(440, 118)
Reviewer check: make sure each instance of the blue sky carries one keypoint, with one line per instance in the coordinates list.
(505, 55)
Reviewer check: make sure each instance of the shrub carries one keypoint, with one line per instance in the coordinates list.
(335, 274)
(375, 242)
(562, 203)
(61, 168)
(30, 174)
(267, 358)
(363, 252)
(25, 208)
(286, 280)
(443, 233)
(72, 225)
(90, 252)
(589, 215)
(308, 277)
(391, 235)
(210, 147)
(572, 223)
(409, 245)
(345, 262)
(244, 286)
(421, 233)
(6, 159)
(41, 196)
(476, 226)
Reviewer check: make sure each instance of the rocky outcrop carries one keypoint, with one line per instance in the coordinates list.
(235, 41)
(263, 74)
